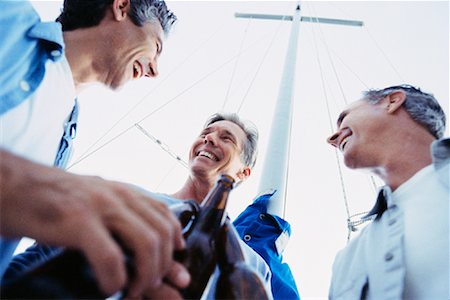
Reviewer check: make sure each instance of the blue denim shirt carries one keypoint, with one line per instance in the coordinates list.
(268, 235)
(26, 45)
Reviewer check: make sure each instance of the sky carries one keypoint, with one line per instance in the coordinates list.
(214, 62)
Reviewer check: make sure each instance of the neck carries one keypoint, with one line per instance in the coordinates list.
(83, 52)
(194, 189)
(410, 156)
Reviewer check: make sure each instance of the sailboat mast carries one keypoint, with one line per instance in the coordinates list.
(275, 168)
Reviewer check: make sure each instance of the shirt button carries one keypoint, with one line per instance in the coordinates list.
(389, 256)
(247, 237)
(25, 86)
(55, 53)
(392, 222)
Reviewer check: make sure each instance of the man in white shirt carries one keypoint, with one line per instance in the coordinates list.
(404, 253)
(43, 67)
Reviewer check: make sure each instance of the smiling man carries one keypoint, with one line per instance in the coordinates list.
(44, 66)
(396, 133)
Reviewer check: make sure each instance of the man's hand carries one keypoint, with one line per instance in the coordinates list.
(58, 208)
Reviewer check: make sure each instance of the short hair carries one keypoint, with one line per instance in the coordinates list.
(250, 149)
(422, 107)
(88, 13)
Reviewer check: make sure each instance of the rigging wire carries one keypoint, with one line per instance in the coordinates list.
(236, 64)
(172, 72)
(341, 177)
(162, 145)
(384, 54)
(322, 36)
(366, 28)
(351, 225)
(172, 168)
(260, 65)
(163, 105)
(371, 177)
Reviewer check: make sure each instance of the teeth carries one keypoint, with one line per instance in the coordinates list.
(342, 144)
(208, 155)
(137, 70)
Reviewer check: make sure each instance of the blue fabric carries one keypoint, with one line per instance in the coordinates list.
(7, 248)
(26, 45)
(260, 231)
(34, 255)
(65, 146)
(39, 253)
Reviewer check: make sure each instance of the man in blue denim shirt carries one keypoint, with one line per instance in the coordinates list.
(226, 145)
(43, 67)
(396, 133)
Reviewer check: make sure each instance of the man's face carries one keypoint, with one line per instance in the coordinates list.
(217, 150)
(359, 136)
(131, 53)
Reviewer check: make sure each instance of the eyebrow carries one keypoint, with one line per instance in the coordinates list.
(224, 131)
(341, 117)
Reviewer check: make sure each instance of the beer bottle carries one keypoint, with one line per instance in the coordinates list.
(69, 275)
(237, 280)
(200, 252)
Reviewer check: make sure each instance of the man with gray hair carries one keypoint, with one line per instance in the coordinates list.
(397, 133)
(44, 66)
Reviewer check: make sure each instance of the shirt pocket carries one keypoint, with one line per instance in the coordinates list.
(352, 290)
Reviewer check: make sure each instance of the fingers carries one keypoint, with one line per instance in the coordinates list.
(151, 232)
(165, 291)
(106, 259)
(84, 213)
(178, 276)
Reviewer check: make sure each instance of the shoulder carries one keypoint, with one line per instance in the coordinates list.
(22, 71)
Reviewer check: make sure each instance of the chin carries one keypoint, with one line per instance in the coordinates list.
(350, 162)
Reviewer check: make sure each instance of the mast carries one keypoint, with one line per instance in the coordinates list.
(275, 168)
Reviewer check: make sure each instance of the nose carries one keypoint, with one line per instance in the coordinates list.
(152, 69)
(333, 139)
(209, 138)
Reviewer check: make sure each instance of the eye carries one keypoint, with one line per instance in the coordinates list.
(228, 138)
(158, 48)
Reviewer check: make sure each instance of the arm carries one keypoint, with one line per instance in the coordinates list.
(82, 212)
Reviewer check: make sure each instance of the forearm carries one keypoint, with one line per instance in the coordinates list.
(19, 185)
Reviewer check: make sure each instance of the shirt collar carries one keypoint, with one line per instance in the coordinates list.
(440, 151)
(50, 32)
(380, 205)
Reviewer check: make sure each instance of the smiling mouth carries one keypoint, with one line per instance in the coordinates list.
(344, 143)
(137, 70)
(208, 155)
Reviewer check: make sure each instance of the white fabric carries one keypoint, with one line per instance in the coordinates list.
(426, 236)
(405, 253)
(34, 129)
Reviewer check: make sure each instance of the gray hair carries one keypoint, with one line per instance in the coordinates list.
(249, 153)
(143, 11)
(88, 13)
(422, 107)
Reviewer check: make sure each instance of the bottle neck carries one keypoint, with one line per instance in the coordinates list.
(228, 246)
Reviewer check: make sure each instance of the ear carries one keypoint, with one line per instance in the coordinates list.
(244, 173)
(120, 9)
(395, 100)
